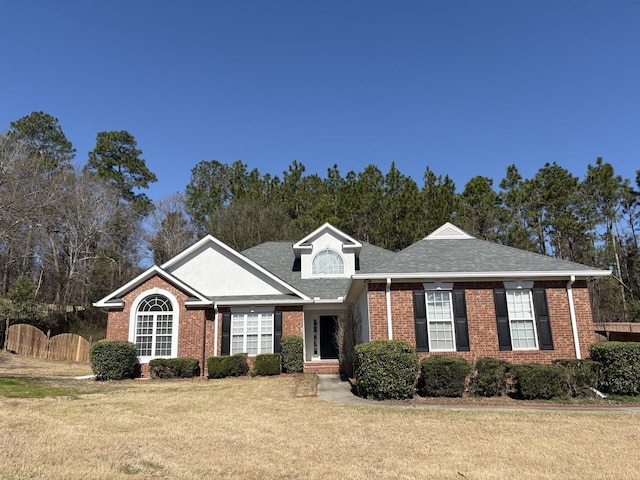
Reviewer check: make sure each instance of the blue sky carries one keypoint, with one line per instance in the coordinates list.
(464, 87)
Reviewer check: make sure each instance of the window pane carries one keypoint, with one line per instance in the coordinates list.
(440, 320)
(143, 344)
(519, 304)
(266, 343)
(523, 334)
(328, 262)
(441, 335)
(252, 344)
(237, 344)
(163, 345)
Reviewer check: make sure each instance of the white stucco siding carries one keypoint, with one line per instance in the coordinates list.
(324, 242)
(214, 272)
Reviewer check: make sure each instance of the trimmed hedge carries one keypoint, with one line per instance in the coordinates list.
(292, 354)
(583, 374)
(540, 382)
(490, 377)
(386, 369)
(443, 376)
(181, 367)
(114, 360)
(619, 366)
(266, 364)
(227, 366)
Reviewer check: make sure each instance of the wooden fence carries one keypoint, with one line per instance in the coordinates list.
(28, 340)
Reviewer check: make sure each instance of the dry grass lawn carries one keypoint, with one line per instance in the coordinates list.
(256, 429)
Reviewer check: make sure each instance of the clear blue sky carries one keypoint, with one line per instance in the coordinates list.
(464, 87)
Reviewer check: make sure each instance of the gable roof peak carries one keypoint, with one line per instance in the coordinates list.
(448, 231)
(348, 241)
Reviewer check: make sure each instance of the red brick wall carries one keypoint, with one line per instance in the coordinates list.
(481, 316)
(191, 322)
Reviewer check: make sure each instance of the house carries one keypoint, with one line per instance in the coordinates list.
(449, 293)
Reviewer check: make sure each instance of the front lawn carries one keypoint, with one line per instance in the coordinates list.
(256, 428)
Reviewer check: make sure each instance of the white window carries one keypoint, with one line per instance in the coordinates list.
(154, 327)
(328, 262)
(251, 333)
(521, 319)
(440, 320)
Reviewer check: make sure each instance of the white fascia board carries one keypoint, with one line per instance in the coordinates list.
(337, 233)
(238, 255)
(147, 274)
(484, 275)
(235, 303)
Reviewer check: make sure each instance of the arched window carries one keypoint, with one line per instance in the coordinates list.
(328, 262)
(154, 327)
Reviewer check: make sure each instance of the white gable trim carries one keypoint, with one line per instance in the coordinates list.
(448, 231)
(107, 301)
(211, 239)
(347, 241)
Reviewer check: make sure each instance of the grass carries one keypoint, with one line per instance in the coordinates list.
(255, 428)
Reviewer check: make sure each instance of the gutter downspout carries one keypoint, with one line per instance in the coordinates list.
(215, 329)
(388, 294)
(572, 314)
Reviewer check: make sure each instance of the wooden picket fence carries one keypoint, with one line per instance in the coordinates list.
(25, 339)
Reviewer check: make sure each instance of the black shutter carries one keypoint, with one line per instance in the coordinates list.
(460, 321)
(277, 331)
(502, 319)
(226, 333)
(543, 322)
(420, 319)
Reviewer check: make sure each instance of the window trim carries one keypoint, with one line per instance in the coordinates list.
(533, 319)
(260, 312)
(325, 251)
(440, 287)
(133, 321)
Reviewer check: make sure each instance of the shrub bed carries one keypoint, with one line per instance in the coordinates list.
(114, 360)
(266, 364)
(181, 367)
(443, 376)
(386, 369)
(540, 382)
(227, 366)
(583, 374)
(490, 377)
(619, 366)
(292, 354)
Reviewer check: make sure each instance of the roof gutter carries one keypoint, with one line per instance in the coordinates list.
(483, 275)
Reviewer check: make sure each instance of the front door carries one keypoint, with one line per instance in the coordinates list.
(328, 329)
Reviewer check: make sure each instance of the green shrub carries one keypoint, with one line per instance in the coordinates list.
(227, 366)
(619, 366)
(386, 369)
(443, 376)
(180, 367)
(114, 360)
(490, 377)
(267, 364)
(292, 354)
(583, 374)
(540, 382)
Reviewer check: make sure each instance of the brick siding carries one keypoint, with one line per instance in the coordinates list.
(481, 317)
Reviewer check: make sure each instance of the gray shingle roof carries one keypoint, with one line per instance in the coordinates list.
(471, 255)
(279, 258)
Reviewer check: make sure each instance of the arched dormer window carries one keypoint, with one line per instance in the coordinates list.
(328, 262)
(154, 327)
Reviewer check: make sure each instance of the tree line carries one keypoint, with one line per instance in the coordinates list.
(78, 233)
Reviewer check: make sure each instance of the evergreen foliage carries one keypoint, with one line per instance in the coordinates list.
(619, 366)
(386, 369)
(540, 382)
(114, 360)
(292, 354)
(181, 367)
(490, 377)
(443, 376)
(266, 364)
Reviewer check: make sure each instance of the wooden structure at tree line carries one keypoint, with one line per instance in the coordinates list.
(619, 331)
(25, 339)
